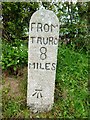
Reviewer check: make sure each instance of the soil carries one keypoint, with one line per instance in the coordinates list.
(13, 82)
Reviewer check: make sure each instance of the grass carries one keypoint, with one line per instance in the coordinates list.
(72, 79)
(71, 93)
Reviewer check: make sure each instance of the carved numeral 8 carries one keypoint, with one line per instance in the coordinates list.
(43, 51)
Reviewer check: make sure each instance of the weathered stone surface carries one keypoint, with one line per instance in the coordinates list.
(42, 59)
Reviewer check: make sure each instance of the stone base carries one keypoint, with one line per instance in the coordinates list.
(35, 108)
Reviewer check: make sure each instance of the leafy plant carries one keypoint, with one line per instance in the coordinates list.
(14, 56)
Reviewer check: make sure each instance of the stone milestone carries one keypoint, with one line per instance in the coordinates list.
(42, 60)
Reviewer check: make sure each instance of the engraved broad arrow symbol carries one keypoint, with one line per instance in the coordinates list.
(37, 93)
